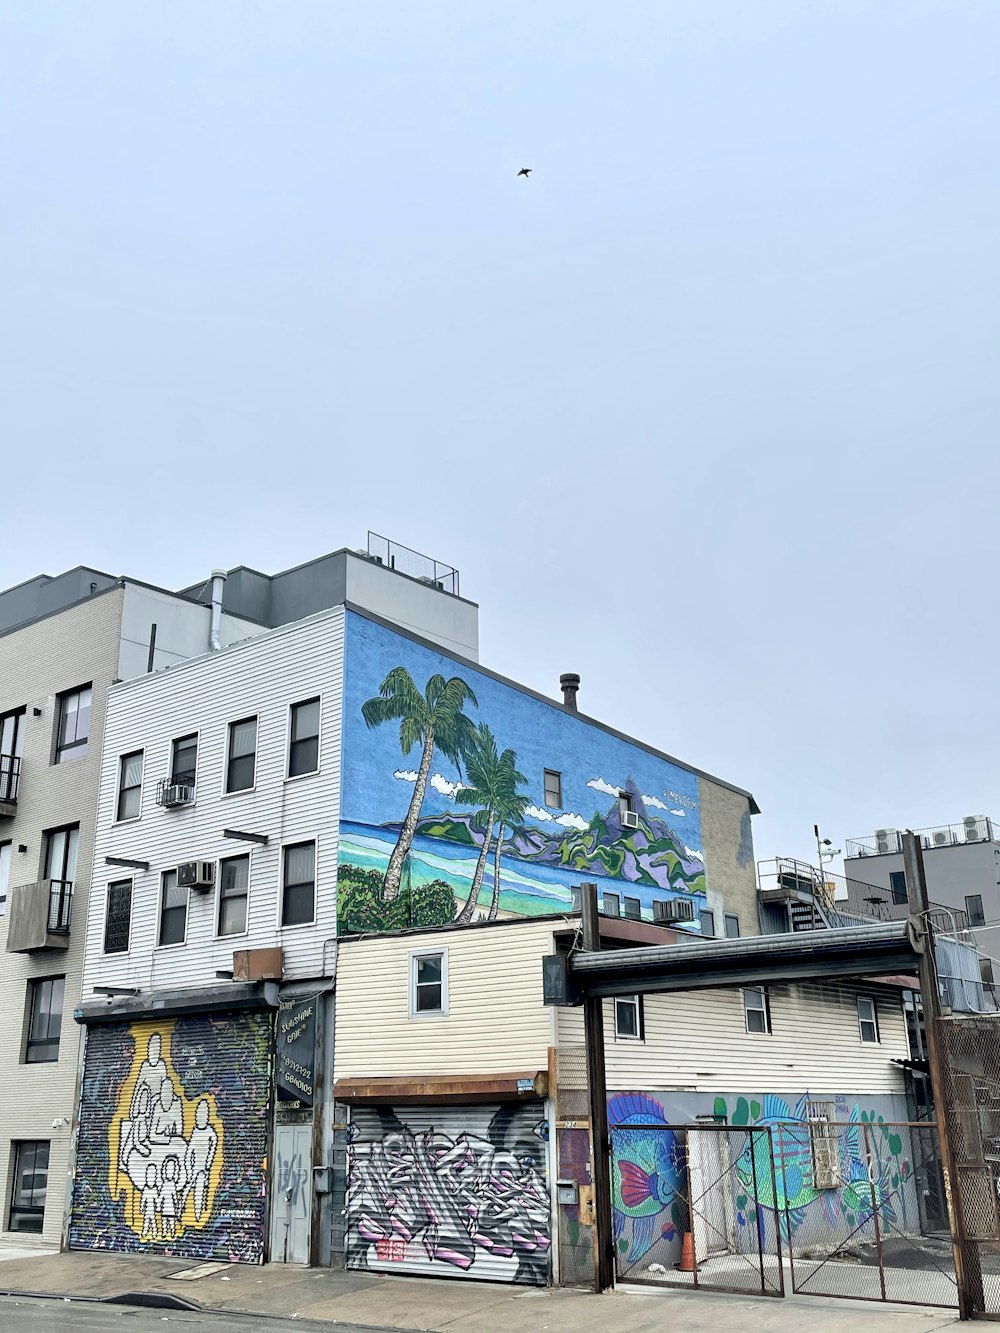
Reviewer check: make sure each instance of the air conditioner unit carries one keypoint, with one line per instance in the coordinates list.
(977, 828)
(888, 840)
(676, 909)
(198, 875)
(826, 1158)
(630, 819)
(942, 838)
(176, 793)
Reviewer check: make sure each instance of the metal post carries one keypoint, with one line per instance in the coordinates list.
(970, 1286)
(597, 1086)
(777, 1215)
(869, 1164)
(757, 1208)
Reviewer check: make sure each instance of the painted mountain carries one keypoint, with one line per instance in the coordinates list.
(650, 854)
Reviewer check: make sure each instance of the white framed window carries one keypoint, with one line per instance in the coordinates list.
(234, 894)
(303, 738)
(241, 761)
(428, 983)
(173, 911)
(629, 1018)
(73, 724)
(868, 1019)
(184, 760)
(553, 788)
(118, 916)
(298, 889)
(129, 786)
(757, 1010)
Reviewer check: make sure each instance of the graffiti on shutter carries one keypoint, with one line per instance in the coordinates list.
(172, 1140)
(450, 1191)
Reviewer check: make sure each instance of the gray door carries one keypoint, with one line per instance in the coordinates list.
(292, 1196)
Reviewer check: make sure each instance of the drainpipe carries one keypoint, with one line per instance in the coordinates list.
(218, 582)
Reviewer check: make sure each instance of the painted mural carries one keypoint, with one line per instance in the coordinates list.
(172, 1138)
(457, 1191)
(444, 812)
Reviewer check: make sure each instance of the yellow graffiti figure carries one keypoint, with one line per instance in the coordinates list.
(165, 1150)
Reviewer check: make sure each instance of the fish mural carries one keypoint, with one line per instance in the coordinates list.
(789, 1187)
(647, 1175)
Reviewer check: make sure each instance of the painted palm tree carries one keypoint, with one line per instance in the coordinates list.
(509, 810)
(488, 778)
(432, 720)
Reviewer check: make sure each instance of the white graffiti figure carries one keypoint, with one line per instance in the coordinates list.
(200, 1155)
(149, 1202)
(152, 1074)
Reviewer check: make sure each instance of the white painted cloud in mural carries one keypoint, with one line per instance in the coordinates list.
(442, 785)
(570, 820)
(535, 813)
(654, 801)
(405, 774)
(681, 814)
(599, 784)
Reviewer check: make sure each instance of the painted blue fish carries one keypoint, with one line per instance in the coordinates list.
(790, 1187)
(647, 1169)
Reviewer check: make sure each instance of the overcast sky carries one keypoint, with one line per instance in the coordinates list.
(706, 409)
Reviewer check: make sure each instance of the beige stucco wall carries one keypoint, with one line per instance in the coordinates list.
(727, 842)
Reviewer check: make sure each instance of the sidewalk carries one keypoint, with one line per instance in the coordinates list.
(440, 1304)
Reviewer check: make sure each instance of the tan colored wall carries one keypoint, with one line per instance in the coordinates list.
(727, 842)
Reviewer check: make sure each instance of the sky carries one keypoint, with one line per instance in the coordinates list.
(704, 410)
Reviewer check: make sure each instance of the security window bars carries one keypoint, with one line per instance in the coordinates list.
(173, 910)
(31, 1178)
(234, 889)
(629, 1018)
(130, 785)
(184, 761)
(242, 762)
(553, 788)
(298, 899)
(974, 909)
(757, 1009)
(45, 1006)
(118, 916)
(428, 983)
(73, 724)
(303, 747)
(867, 1019)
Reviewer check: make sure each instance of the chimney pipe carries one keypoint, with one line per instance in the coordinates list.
(569, 683)
(218, 582)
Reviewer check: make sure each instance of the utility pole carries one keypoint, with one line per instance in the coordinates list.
(597, 1086)
(970, 1284)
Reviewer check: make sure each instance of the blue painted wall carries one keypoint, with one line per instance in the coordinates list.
(546, 851)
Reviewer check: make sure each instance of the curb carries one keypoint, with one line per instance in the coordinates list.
(156, 1300)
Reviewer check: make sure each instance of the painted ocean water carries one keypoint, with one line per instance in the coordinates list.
(526, 890)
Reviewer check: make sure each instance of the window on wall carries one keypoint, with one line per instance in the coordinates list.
(242, 761)
(707, 920)
(45, 1006)
(629, 1018)
(73, 724)
(897, 886)
(118, 916)
(428, 982)
(867, 1019)
(234, 890)
(130, 785)
(31, 1178)
(611, 904)
(298, 898)
(626, 806)
(633, 909)
(303, 746)
(173, 910)
(732, 926)
(11, 745)
(757, 1009)
(974, 909)
(5, 850)
(60, 854)
(553, 788)
(184, 760)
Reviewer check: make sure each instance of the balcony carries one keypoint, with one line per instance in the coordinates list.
(10, 781)
(39, 916)
(889, 841)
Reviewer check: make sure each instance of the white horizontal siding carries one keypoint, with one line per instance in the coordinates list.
(496, 1021)
(697, 1040)
(263, 676)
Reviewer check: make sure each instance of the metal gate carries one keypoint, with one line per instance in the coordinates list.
(694, 1206)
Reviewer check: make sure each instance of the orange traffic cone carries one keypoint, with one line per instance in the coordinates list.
(686, 1264)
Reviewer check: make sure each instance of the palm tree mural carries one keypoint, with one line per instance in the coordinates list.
(431, 720)
(509, 810)
(489, 778)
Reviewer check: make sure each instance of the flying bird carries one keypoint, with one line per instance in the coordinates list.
(525, 171)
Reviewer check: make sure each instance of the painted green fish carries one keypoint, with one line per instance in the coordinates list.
(790, 1186)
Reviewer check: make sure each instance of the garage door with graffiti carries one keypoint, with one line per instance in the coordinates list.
(449, 1191)
(173, 1137)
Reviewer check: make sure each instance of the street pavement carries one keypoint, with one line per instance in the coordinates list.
(31, 1316)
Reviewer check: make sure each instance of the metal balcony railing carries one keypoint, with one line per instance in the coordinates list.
(60, 906)
(890, 841)
(406, 561)
(10, 778)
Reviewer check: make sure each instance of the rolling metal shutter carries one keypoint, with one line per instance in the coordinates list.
(172, 1141)
(449, 1191)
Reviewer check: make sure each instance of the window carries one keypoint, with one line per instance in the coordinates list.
(626, 805)
(234, 888)
(31, 1178)
(118, 916)
(611, 904)
(11, 745)
(428, 983)
(60, 854)
(757, 1008)
(299, 892)
(173, 910)
(303, 747)
(240, 770)
(4, 874)
(732, 926)
(553, 788)
(184, 761)
(629, 1018)
(73, 726)
(633, 909)
(897, 886)
(45, 1006)
(576, 898)
(974, 909)
(129, 785)
(986, 971)
(867, 1018)
(707, 920)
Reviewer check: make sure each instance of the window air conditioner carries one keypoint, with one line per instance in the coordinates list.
(198, 875)
(176, 793)
(630, 819)
(676, 909)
